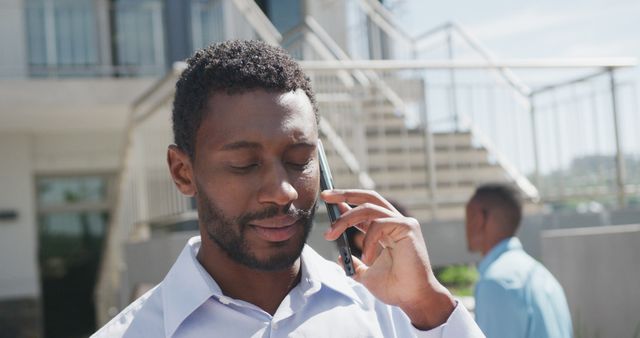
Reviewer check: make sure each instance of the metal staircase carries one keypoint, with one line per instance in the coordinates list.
(396, 159)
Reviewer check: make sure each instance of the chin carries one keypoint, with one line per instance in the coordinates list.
(274, 256)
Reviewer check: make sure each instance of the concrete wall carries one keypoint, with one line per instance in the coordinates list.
(77, 152)
(533, 225)
(162, 251)
(13, 54)
(600, 271)
(18, 238)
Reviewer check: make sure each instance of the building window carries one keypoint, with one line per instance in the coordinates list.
(62, 38)
(138, 36)
(207, 23)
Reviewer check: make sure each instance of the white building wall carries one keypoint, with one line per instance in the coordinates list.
(24, 156)
(18, 238)
(77, 152)
(13, 54)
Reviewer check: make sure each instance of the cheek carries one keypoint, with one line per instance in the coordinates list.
(307, 185)
(230, 195)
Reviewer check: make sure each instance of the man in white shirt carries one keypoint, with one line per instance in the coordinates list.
(245, 127)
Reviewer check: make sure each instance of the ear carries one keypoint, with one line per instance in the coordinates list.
(181, 170)
(483, 219)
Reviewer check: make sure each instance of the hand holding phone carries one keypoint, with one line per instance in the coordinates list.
(326, 183)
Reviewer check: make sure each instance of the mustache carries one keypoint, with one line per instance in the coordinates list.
(289, 210)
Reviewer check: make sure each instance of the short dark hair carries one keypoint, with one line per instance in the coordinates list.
(233, 67)
(502, 197)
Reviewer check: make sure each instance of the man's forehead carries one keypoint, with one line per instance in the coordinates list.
(258, 114)
(283, 95)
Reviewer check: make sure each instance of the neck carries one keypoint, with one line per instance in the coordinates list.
(494, 240)
(265, 289)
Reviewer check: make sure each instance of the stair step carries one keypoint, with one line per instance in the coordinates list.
(467, 158)
(408, 177)
(383, 133)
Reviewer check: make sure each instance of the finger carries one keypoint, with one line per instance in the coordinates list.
(361, 215)
(360, 269)
(357, 264)
(385, 232)
(356, 197)
(343, 207)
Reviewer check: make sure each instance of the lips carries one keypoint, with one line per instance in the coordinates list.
(276, 229)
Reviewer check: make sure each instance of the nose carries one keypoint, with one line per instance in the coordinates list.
(276, 186)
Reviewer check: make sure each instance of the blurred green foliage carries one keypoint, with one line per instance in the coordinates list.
(458, 278)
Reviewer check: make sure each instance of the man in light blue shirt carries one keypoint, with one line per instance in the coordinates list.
(516, 296)
(246, 132)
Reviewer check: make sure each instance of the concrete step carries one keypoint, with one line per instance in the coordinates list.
(473, 174)
(416, 138)
(412, 177)
(405, 157)
(441, 156)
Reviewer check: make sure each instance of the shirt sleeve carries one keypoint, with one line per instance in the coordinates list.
(458, 325)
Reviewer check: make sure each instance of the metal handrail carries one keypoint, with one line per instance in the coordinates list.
(384, 19)
(545, 63)
(518, 178)
(331, 51)
(259, 21)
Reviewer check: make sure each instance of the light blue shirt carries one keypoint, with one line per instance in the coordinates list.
(517, 296)
(326, 303)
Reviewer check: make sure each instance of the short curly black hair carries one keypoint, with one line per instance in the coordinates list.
(233, 67)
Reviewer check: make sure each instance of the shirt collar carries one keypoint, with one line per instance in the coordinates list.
(510, 243)
(320, 272)
(187, 285)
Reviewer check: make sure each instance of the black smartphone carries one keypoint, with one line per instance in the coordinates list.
(326, 183)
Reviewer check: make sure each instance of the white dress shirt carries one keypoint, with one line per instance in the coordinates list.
(326, 303)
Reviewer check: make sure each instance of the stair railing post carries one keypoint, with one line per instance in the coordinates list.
(616, 129)
(534, 139)
(452, 82)
(430, 156)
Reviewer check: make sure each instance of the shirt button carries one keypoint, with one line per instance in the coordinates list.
(224, 300)
(274, 326)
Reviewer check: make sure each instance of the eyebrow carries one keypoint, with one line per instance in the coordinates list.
(254, 145)
(241, 145)
(304, 144)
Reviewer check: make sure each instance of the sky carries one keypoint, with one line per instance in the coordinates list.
(542, 28)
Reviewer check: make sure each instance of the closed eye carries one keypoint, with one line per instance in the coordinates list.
(244, 168)
(300, 166)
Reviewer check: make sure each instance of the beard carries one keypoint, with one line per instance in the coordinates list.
(230, 233)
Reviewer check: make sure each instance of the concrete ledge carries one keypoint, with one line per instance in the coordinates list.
(20, 318)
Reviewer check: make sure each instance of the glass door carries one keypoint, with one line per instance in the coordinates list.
(73, 219)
